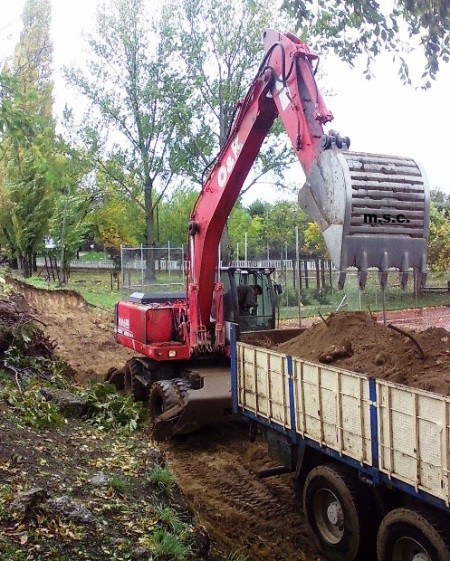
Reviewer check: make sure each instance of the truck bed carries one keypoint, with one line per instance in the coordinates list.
(395, 434)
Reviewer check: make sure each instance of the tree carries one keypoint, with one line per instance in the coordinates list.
(360, 27)
(439, 239)
(27, 147)
(133, 97)
(74, 195)
(440, 199)
(116, 221)
(314, 242)
(173, 215)
(218, 50)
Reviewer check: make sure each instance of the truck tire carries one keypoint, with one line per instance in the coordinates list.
(337, 508)
(414, 534)
(165, 394)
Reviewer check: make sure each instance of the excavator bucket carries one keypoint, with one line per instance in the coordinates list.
(373, 211)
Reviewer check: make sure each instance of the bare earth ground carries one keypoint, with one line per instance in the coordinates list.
(84, 334)
(215, 468)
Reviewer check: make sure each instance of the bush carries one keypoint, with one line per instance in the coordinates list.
(35, 410)
(107, 410)
(322, 295)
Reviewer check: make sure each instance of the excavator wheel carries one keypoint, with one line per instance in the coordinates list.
(166, 394)
(133, 385)
(116, 377)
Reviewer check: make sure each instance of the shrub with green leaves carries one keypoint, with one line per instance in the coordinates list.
(107, 410)
(34, 409)
(169, 518)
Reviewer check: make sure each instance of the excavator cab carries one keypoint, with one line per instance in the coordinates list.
(239, 281)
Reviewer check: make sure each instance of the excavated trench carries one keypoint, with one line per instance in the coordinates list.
(217, 467)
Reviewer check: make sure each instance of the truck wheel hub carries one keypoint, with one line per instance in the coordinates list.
(421, 557)
(335, 514)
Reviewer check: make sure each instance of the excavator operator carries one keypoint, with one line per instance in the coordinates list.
(247, 298)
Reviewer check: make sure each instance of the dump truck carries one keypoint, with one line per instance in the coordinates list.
(182, 339)
(371, 457)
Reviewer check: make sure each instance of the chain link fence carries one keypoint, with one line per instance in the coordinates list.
(153, 269)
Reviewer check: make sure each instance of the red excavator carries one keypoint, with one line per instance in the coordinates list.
(356, 198)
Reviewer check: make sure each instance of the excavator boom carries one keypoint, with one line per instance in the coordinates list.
(372, 209)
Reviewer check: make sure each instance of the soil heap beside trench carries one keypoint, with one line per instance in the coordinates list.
(355, 341)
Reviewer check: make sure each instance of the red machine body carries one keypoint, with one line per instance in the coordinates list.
(341, 189)
(285, 87)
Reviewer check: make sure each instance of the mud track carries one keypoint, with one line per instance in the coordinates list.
(261, 518)
(216, 467)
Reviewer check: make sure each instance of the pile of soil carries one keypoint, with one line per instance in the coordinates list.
(355, 341)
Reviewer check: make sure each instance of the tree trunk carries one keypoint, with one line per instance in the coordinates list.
(150, 274)
(26, 265)
(225, 247)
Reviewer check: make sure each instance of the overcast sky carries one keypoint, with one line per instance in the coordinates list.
(380, 115)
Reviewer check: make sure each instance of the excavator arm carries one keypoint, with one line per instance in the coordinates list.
(354, 197)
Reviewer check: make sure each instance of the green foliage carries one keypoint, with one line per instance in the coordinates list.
(161, 478)
(74, 197)
(322, 295)
(359, 27)
(217, 48)
(439, 238)
(288, 296)
(314, 242)
(27, 146)
(169, 518)
(132, 125)
(120, 485)
(35, 410)
(167, 545)
(107, 410)
(173, 215)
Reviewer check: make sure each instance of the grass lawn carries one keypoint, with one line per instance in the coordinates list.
(101, 289)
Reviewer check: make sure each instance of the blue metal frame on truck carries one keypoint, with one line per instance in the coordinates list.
(392, 434)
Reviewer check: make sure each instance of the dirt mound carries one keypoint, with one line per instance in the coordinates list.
(83, 334)
(354, 341)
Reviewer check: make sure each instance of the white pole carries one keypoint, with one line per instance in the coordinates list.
(286, 272)
(237, 254)
(168, 259)
(245, 247)
(299, 297)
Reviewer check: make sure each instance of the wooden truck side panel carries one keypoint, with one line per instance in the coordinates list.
(399, 435)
